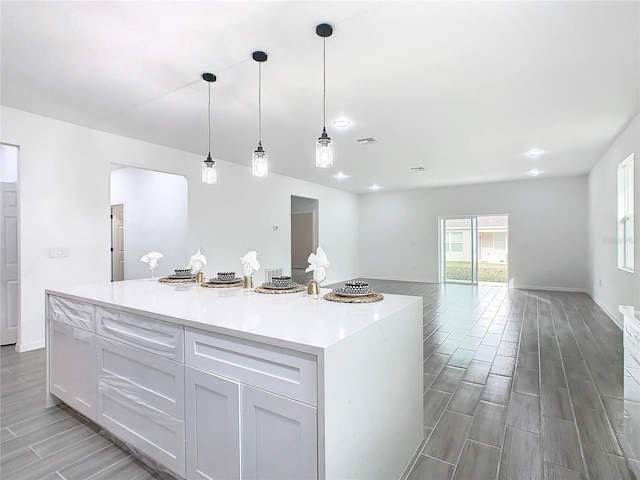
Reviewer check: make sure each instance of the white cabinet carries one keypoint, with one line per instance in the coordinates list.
(279, 437)
(213, 426)
(235, 430)
(73, 367)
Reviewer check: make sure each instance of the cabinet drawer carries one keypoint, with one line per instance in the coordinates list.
(285, 372)
(153, 432)
(72, 312)
(155, 380)
(155, 336)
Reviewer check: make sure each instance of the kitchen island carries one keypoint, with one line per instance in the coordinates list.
(219, 383)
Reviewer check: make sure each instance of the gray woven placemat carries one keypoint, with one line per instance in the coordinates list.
(177, 280)
(374, 297)
(222, 285)
(296, 289)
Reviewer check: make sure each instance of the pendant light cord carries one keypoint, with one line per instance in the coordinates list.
(260, 103)
(209, 109)
(324, 82)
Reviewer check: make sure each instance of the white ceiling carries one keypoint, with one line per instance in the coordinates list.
(463, 89)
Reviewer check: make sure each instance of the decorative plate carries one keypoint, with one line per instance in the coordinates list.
(343, 293)
(271, 286)
(181, 277)
(216, 280)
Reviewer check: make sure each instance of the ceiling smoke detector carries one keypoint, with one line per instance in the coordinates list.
(366, 141)
(417, 169)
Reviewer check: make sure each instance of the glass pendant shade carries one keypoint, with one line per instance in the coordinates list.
(324, 151)
(209, 171)
(260, 163)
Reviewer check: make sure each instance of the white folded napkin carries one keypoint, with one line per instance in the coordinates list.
(198, 260)
(318, 263)
(152, 259)
(250, 263)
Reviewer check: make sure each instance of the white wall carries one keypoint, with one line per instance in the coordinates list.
(65, 198)
(547, 230)
(618, 287)
(155, 218)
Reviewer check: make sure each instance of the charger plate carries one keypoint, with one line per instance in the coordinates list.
(373, 297)
(294, 289)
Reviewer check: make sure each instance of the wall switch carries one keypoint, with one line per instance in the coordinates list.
(275, 227)
(58, 252)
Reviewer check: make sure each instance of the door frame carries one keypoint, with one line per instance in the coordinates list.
(442, 254)
(19, 248)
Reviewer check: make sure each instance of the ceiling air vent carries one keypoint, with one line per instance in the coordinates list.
(417, 169)
(366, 141)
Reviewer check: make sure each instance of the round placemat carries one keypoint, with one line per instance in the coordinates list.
(177, 280)
(222, 285)
(296, 289)
(374, 297)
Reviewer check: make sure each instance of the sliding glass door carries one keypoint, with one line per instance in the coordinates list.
(459, 247)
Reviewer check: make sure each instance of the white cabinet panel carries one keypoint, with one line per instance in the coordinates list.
(279, 437)
(162, 338)
(156, 380)
(285, 372)
(213, 426)
(152, 431)
(73, 367)
(61, 360)
(72, 312)
(83, 367)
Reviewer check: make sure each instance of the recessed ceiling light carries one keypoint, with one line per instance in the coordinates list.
(341, 176)
(417, 169)
(367, 140)
(341, 123)
(534, 173)
(534, 153)
(375, 187)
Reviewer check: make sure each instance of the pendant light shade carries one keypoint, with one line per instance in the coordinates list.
(209, 169)
(259, 159)
(324, 144)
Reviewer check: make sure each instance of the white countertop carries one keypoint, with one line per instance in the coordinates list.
(629, 311)
(291, 320)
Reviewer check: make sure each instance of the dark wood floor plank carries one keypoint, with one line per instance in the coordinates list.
(488, 424)
(448, 437)
(427, 468)
(521, 456)
(477, 461)
(560, 444)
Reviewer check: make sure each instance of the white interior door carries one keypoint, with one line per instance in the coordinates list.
(9, 262)
(117, 242)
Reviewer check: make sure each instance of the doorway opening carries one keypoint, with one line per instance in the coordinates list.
(117, 242)
(304, 236)
(149, 213)
(9, 246)
(474, 249)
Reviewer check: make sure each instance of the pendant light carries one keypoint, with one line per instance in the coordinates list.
(324, 145)
(209, 169)
(259, 159)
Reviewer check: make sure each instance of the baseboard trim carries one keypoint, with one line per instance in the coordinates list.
(396, 279)
(551, 289)
(27, 347)
(616, 321)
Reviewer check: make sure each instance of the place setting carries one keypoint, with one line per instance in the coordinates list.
(223, 280)
(180, 275)
(280, 285)
(354, 292)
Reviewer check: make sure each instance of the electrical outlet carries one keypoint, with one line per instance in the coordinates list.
(58, 252)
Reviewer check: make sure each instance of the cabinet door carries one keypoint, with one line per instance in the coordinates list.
(279, 437)
(83, 367)
(213, 426)
(61, 360)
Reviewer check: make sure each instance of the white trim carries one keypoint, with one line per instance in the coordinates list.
(26, 347)
(618, 322)
(551, 289)
(399, 279)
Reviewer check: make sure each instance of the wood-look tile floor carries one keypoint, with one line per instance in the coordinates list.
(518, 385)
